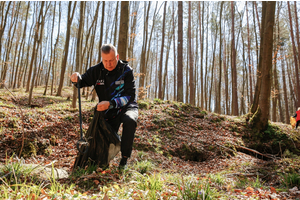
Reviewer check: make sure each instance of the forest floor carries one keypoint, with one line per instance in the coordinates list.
(180, 152)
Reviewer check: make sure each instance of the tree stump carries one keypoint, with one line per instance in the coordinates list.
(104, 144)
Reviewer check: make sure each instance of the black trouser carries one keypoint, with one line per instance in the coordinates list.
(129, 120)
(298, 122)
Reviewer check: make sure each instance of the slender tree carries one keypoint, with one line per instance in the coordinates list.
(298, 43)
(249, 57)
(191, 60)
(66, 48)
(218, 96)
(38, 41)
(261, 116)
(79, 48)
(235, 108)
(123, 34)
(4, 14)
(180, 53)
(160, 89)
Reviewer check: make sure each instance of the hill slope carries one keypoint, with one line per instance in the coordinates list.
(171, 139)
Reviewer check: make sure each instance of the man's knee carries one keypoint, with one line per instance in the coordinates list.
(130, 118)
(129, 121)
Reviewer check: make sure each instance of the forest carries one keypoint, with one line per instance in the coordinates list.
(217, 83)
(202, 53)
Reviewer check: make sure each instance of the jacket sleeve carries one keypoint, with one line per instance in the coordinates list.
(89, 78)
(127, 93)
(295, 115)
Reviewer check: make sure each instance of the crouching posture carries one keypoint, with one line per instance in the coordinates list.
(114, 83)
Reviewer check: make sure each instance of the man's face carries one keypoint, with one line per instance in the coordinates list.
(110, 60)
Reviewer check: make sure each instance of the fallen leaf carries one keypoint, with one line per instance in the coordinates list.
(273, 190)
(96, 182)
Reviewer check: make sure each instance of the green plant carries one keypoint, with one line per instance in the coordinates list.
(55, 188)
(143, 105)
(141, 154)
(143, 166)
(291, 180)
(193, 190)
(257, 183)
(158, 101)
(242, 182)
(152, 184)
(217, 178)
(203, 112)
(80, 171)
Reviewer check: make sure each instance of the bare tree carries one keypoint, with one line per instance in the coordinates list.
(160, 69)
(66, 48)
(180, 53)
(3, 19)
(38, 41)
(235, 107)
(79, 48)
(261, 116)
(123, 33)
(218, 98)
(298, 43)
(249, 57)
(191, 67)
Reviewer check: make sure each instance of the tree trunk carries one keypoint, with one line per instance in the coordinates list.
(3, 19)
(79, 48)
(254, 106)
(51, 55)
(116, 24)
(38, 40)
(160, 69)
(100, 42)
(143, 52)
(235, 107)
(249, 58)
(166, 88)
(148, 47)
(180, 53)
(8, 46)
(218, 99)
(123, 33)
(225, 77)
(174, 51)
(201, 18)
(261, 117)
(55, 45)
(133, 31)
(286, 102)
(298, 43)
(191, 60)
(206, 60)
(66, 48)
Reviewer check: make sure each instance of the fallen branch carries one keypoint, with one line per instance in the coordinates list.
(244, 174)
(254, 151)
(246, 148)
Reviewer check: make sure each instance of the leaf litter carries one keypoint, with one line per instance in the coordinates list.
(170, 135)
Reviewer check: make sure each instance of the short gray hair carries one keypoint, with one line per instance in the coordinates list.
(106, 48)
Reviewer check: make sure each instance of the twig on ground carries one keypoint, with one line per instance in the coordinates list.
(254, 151)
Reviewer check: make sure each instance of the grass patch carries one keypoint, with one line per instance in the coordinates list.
(291, 180)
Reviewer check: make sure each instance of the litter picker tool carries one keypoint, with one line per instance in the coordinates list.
(81, 142)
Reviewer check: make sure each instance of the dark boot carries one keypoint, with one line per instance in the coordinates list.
(123, 163)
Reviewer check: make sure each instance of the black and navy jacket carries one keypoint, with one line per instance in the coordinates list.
(116, 86)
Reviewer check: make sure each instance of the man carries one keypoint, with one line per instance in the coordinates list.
(114, 83)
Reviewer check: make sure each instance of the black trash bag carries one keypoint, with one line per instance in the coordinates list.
(104, 144)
